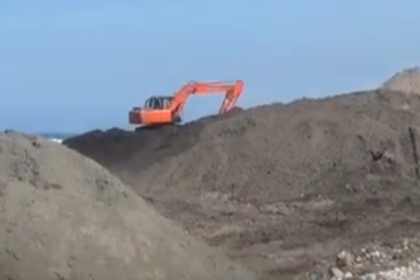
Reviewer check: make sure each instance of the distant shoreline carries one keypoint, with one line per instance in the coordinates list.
(56, 135)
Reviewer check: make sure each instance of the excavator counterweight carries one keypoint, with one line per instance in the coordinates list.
(166, 110)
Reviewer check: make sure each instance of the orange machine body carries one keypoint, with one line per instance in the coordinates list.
(163, 110)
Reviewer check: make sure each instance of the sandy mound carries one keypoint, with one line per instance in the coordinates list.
(407, 80)
(281, 186)
(63, 216)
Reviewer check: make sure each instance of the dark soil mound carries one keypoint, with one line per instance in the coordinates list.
(136, 150)
(303, 177)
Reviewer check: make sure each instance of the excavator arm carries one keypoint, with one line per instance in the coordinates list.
(232, 91)
(166, 110)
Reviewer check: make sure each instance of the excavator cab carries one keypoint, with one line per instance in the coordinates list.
(157, 102)
(154, 113)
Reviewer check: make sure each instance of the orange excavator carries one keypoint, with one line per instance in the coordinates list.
(166, 110)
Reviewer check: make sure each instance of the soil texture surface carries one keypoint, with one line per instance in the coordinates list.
(281, 187)
(64, 217)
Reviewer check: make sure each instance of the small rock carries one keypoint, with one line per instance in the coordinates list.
(344, 259)
(370, 276)
(336, 273)
(358, 259)
(348, 275)
(405, 244)
(315, 277)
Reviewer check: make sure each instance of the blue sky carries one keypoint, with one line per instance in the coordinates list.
(76, 65)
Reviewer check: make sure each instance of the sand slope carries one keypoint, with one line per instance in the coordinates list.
(63, 216)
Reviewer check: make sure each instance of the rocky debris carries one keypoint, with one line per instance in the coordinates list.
(407, 80)
(374, 261)
(408, 272)
(63, 216)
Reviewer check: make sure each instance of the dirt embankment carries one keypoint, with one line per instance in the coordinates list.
(407, 80)
(281, 187)
(63, 216)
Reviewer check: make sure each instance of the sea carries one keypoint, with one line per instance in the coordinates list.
(56, 136)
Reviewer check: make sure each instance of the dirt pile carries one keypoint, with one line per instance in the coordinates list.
(63, 216)
(133, 151)
(407, 80)
(282, 186)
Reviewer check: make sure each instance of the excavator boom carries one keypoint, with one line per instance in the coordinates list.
(164, 110)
